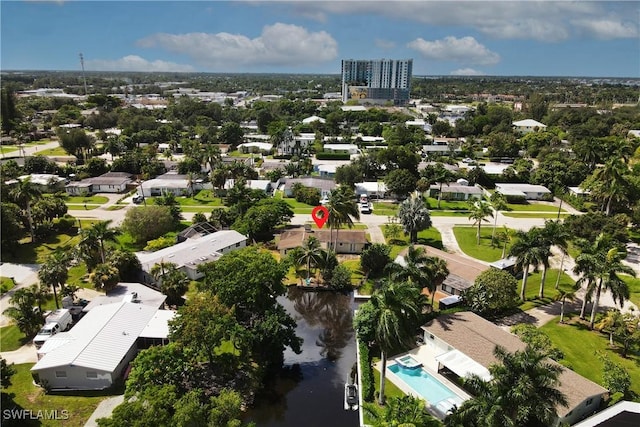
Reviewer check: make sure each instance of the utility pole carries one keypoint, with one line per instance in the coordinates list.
(84, 77)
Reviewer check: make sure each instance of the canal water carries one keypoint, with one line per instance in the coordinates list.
(310, 392)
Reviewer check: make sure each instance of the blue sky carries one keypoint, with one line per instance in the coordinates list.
(537, 38)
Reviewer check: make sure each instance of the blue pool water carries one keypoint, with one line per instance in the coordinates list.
(432, 390)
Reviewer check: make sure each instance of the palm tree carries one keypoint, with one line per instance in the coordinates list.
(414, 216)
(55, 271)
(160, 269)
(498, 203)
(311, 254)
(442, 176)
(504, 236)
(23, 193)
(522, 392)
(342, 207)
(440, 272)
(175, 284)
(479, 210)
(610, 322)
(105, 277)
(528, 252)
(610, 183)
(102, 233)
(563, 296)
(40, 294)
(414, 270)
(21, 310)
(609, 280)
(399, 309)
(554, 233)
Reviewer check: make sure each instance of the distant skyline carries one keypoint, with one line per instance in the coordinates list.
(501, 38)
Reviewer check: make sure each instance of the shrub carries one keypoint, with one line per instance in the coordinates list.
(614, 377)
(308, 195)
(341, 278)
(144, 223)
(65, 223)
(366, 372)
(537, 339)
(374, 259)
(493, 292)
(160, 243)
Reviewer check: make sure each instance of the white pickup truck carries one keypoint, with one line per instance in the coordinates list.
(58, 321)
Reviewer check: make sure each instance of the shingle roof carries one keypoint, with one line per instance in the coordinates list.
(102, 338)
(477, 337)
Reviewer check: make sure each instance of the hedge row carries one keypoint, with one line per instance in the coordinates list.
(368, 381)
(332, 156)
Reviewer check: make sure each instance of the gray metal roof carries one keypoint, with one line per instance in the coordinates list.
(125, 291)
(191, 250)
(107, 334)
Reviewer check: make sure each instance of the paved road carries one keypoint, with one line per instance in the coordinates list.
(24, 275)
(104, 410)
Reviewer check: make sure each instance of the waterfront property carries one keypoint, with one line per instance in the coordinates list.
(342, 241)
(463, 343)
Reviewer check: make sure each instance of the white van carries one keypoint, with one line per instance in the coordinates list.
(58, 321)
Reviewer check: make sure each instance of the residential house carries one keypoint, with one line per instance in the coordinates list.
(622, 414)
(45, 182)
(342, 241)
(313, 119)
(526, 191)
(456, 191)
(192, 252)
(179, 185)
(127, 291)
(325, 185)
(254, 184)
(110, 182)
(527, 126)
(341, 148)
(463, 271)
(374, 190)
(94, 354)
(463, 343)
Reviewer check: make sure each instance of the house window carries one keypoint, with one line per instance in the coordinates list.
(92, 374)
(61, 374)
(238, 245)
(589, 402)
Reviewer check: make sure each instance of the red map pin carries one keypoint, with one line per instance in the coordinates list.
(320, 215)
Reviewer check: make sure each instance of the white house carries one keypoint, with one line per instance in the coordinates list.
(324, 185)
(528, 126)
(110, 182)
(375, 190)
(188, 255)
(463, 343)
(96, 351)
(341, 148)
(250, 147)
(313, 119)
(44, 181)
(254, 184)
(456, 191)
(528, 191)
(327, 171)
(167, 183)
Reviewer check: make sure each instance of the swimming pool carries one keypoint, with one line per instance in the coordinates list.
(424, 384)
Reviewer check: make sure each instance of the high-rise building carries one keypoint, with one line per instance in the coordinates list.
(377, 80)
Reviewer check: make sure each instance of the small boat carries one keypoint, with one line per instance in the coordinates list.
(350, 397)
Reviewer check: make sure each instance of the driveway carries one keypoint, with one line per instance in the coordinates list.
(25, 354)
(104, 410)
(24, 275)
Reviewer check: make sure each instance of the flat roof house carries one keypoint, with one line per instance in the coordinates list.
(463, 342)
(167, 183)
(528, 191)
(528, 126)
(325, 185)
(188, 255)
(110, 182)
(96, 351)
(455, 191)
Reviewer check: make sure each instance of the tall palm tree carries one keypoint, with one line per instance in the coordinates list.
(105, 277)
(504, 236)
(414, 270)
(440, 272)
(609, 280)
(342, 208)
(55, 271)
(554, 233)
(414, 216)
(609, 323)
(563, 296)
(442, 176)
(23, 193)
(102, 233)
(311, 254)
(528, 252)
(161, 268)
(610, 182)
(479, 210)
(399, 309)
(523, 391)
(498, 203)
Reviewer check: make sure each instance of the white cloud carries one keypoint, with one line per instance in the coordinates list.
(279, 44)
(384, 44)
(464, 50)
(135, 63)
(549, 21)
(607, 28)
(467, 72)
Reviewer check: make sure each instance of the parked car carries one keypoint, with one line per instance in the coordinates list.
(138, 199)
(365, 208)
(58, 321)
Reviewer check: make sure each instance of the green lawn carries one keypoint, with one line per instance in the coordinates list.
(82, 207)
(6, 284)
(385, 208)
(545, 215)
(298, 207)
(390, 390)
(449, 213)
(466, 237)
(11, 338)
(96, 200)
(58, 151)
(532, 207)
(634, 288)
(429, 237)
(201, 198)
(447, 205)
(533, 288)
(5, 149)
(79, 405)
(580, 345)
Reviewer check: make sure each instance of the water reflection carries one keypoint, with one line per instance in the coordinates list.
(310, 391)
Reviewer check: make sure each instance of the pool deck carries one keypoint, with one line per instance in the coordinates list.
(427, 356)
